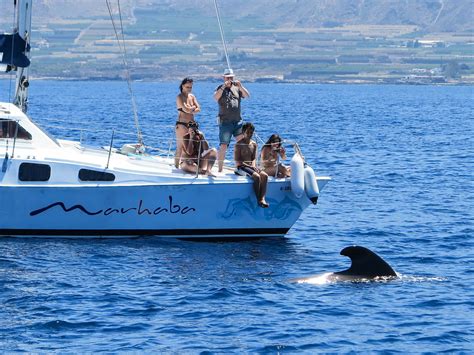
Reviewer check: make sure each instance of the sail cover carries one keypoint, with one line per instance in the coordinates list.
(12, 50)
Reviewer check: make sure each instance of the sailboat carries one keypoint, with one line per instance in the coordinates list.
(51, 187)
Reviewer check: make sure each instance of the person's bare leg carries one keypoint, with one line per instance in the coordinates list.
(221, 156)
(179, 141)
(211, 159)
(177, 155)
(263, 189)
(256, 185)
(189, 168)
(280, 173)
(283, 171)
(270, 171)
(203, 164)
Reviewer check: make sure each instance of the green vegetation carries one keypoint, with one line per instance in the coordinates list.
(167, 41)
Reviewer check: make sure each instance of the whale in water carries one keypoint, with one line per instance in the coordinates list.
(366, 265)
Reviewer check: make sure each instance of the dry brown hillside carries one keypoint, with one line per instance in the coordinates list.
(429, 15)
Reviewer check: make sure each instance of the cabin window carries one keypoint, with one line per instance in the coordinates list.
(34, 172)
(8, 129)
(93, 175)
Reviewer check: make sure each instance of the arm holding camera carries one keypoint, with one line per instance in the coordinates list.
(228, 83)
(219, 91)
(282, 152)
(243, 90)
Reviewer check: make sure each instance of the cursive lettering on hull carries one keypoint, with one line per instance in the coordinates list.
(140, 209)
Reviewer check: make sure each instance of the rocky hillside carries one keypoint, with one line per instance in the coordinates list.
(428, 15)
(354, 41)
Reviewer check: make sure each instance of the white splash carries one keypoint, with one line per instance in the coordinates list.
(316, 280)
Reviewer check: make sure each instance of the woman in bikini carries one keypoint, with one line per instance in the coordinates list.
(187, 105)
(271, 152)
(195, 145)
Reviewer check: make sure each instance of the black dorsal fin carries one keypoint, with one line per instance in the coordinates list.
(365, 263)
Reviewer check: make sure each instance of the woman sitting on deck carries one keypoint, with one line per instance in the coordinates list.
(271, 152)
(196, 156)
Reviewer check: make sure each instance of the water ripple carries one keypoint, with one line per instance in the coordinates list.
(401, 162)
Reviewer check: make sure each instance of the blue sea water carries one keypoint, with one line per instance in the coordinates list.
(401, 159)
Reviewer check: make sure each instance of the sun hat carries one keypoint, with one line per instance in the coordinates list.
(229, 72)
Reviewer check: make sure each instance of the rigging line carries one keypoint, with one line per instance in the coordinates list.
(129, 81)
(127, 71)
(113, 23)
(222, 34)
(13, 47)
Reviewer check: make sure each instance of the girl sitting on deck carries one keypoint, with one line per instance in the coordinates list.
(271, 152)
(196, 156)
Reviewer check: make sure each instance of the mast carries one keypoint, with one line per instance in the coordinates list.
(23, 28)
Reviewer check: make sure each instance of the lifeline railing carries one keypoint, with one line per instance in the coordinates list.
(63, 125)
(73, 126)
(197, 156)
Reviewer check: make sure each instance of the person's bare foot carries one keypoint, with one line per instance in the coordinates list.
(209, 173)
(263, 204)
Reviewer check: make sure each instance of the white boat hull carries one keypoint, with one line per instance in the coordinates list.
(202, 210)
(62, 188)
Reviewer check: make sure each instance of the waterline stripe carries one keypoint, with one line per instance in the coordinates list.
(240, 232)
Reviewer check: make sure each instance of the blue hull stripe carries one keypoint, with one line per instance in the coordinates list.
(143, 232)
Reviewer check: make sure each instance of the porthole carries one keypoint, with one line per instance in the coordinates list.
(34, 172)
(93, 175)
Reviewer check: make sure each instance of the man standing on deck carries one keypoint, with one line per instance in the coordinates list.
(228, 96)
